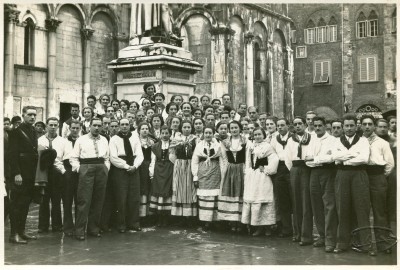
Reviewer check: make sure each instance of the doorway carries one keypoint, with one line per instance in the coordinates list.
(65, 113)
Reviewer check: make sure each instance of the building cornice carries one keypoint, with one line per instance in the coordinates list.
(269, 12)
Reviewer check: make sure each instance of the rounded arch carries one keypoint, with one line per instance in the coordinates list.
(279, 36)
(326, 112)
(81, 12)
(187, 13)
(49, 10)
(366, 9)
(109, 12)
(261, 31)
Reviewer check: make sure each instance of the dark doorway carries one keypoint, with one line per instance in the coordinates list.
(65, 113)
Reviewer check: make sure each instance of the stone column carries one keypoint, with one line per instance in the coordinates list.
(219, 79)
(347, 60)
(270, 55)
(11, 18)
(87, 33)
(290, 86)
(248, 38)
(51, 109)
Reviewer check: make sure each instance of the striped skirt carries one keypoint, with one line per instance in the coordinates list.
(208, 208)
(144, 206)
(230, 200)
(184, 198)
(258, 214)
(160, 204)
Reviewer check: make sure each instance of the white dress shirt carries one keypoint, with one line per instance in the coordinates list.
(65, 131)
(380, 153)
(62, 148)
(321, 150)
(359, 152)
(292, 151)
(85, 147)
(117, 149)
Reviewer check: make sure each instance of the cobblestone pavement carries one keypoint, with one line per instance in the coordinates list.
(173, 245)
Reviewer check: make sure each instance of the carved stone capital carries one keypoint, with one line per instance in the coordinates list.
(248, 37)
(11, 14)
(222, 30)
(52, 24)
(87, 32)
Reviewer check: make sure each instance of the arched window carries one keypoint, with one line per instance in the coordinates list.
(29, 42)
(257, 61)
(367, 27)
(332, 30)
(321, 31)
(309, 32)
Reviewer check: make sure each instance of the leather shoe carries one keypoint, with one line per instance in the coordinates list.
(16, 239)
(95, 234)
(319, 243)
(27, 237)
(295, 239)
(301, 243)
(138, 228)
(329, 249)
(80, 237)
(338, 250)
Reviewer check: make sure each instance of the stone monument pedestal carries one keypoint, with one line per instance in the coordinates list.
(140, 64)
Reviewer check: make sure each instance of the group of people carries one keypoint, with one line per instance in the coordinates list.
(123, 163)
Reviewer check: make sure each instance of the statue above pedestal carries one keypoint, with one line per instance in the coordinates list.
(152, 23)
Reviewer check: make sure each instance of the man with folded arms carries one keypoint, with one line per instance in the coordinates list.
(126, 156)
(322, 185)
(351, 153)
(90, 158)
(380, 165)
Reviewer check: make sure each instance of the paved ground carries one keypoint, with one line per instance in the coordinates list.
(174, 246)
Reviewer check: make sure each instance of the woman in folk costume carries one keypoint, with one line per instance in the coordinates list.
(124, 106)
(172, 110)
(187, 109)
(174, 127)
(156, 123)
(230, 199)
(198, 125)
(206, 169)
(145, 184)
(161, 171)
(184, 194)
(258, 196)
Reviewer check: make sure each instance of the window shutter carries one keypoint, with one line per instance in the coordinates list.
(293, 35)
(363, 69)
(317, 72)
(325, 71)
(371, 69)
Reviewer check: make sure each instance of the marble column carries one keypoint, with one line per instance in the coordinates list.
(219, 46)
(51, 109)
(248, 38)
(270, 55)
(87, 33)
(11, 18)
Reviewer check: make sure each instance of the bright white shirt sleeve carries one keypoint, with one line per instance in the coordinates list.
(195, 161)
(288, 154)
(152, 165)
(107, 154)
(74, 158)
(248, 155)
(139, 153)
(65, 130)
(114, 156)
(273, 162)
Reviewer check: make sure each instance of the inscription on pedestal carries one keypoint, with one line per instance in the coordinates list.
(178, 75)
(138, 74)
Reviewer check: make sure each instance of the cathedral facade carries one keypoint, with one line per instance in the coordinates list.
(57, 54)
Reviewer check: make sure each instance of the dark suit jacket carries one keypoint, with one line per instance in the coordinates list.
(23, 153)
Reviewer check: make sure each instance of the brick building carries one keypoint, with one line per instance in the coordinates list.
(344, 57)
(56, 54)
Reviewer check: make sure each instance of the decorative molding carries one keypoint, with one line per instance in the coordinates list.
(29, 67)
(12, 14)
(52, 24)
(248, 37)
(269, 12)
(87, 32)
(221, 31)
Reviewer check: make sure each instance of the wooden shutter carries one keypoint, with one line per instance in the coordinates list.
(317, 71)
(371, 69)
(363, 69)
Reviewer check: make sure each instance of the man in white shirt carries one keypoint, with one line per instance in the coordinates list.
(297, 148)
(74, 115)
(53, 190)
(337, 128)
(281, 180)
(309, 118)
(70, 181)
(380, 165)
(351, 154)
(90, 158)
(322, 185)
(126, 156)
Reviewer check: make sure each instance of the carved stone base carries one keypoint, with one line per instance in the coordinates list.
(139, 64)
